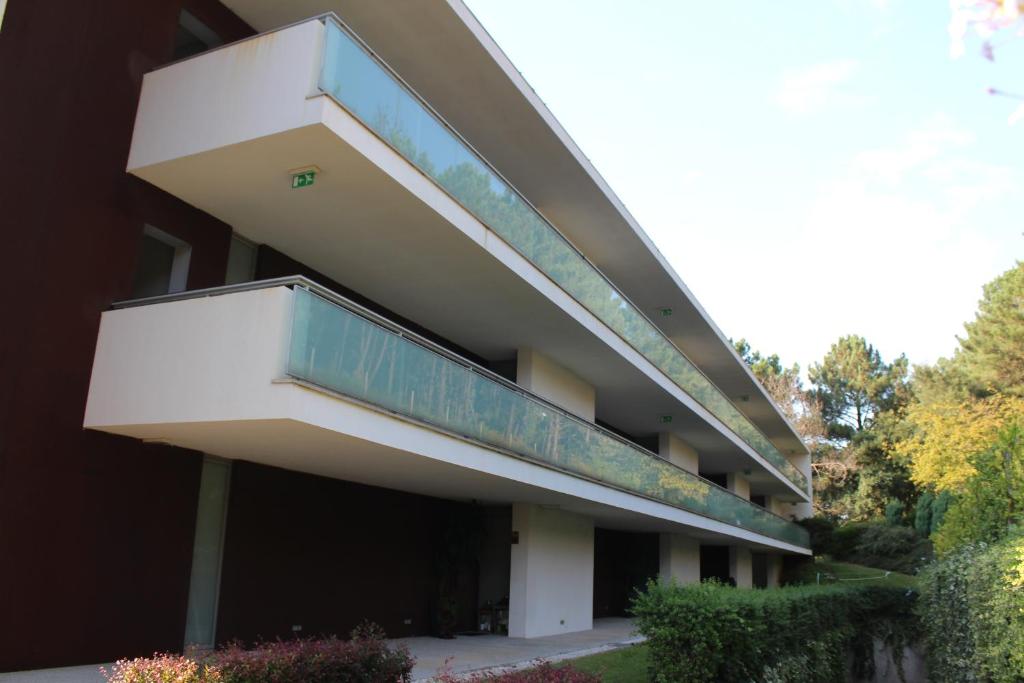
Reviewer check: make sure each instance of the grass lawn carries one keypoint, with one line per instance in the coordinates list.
(841, 572)
(628, 665)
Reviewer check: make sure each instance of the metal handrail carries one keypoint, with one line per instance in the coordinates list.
(451, 129)
(395, 328)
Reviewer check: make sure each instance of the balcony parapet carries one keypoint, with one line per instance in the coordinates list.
(342, 347)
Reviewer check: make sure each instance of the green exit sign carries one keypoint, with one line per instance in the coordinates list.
(304, 177)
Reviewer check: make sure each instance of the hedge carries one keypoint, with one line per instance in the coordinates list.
(366, 658)
(972, 613)
(800, 634)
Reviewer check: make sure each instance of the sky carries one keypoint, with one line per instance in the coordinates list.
(810, 168)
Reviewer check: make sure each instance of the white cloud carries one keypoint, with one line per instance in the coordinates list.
(814, 88)
(920, 147)
(937, 156)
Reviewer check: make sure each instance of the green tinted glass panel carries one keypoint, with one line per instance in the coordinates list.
(339, 350)
(373, 95)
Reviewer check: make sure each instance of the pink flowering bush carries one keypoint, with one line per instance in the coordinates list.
(162, 669)
(366, 658)
(544, 673)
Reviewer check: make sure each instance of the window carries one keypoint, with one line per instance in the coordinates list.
(193, 36)
(241, 261)
(162, 264)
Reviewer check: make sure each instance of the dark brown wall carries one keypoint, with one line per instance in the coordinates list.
(327, 554)
(95, 530)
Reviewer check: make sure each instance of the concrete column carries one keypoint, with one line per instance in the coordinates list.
(802, 463)
(678, 452)
(740, 566)
(552, 582)
(780, 507)
(537, 373)
(738, 484)
(774, 570)
(679, 558)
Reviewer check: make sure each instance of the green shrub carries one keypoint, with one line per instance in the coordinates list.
(894, 513)
(806, 634)
(896, 548)
(972, 613)
(930, 511)
(845, 539)
(991, 503)
(881, 545)
(923, 513)
(939, 507)
(820, 529)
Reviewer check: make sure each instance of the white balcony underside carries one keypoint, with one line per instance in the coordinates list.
(449, 57)
(206, 374)
(221, 132)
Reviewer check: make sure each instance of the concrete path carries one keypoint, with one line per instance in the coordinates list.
(476, 653)
(464, 654)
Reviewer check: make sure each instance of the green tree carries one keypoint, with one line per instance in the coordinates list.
(854, 385)
(862, 399)
(880, 475)
(786, 389)
(991, 355)
(923, 513)
(989, 360)
(764, 367)
(991, 502)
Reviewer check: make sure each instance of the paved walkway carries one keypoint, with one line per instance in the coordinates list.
(464, 654)
(474, 653)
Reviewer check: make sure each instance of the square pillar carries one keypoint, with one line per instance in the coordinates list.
(741, 567)
(678, 452)
(537, 373)
(679, 558)
(803, 463)
(774, 570)
(738, 484)
(552, 581)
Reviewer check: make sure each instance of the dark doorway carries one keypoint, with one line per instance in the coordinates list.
(719, 479)
(714, 562)
(759, 569)
(623, 562)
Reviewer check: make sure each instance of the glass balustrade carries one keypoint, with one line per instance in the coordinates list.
(340, 350)
(372, 94)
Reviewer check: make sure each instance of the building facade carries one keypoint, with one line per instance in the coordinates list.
(317, 315)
